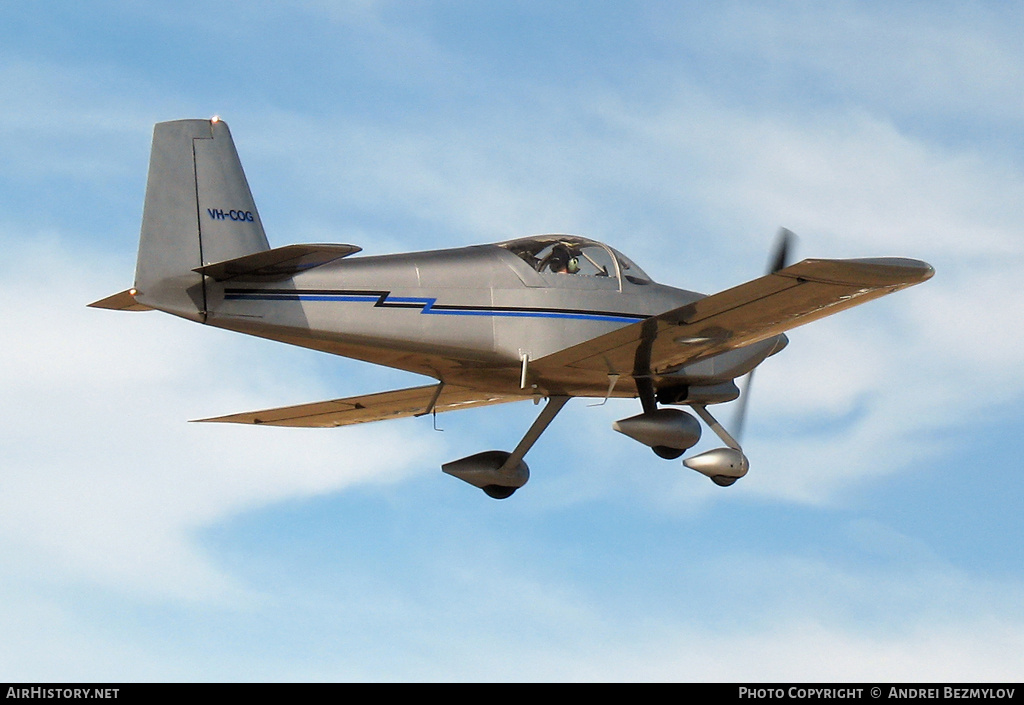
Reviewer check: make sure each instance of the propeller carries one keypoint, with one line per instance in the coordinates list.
(780, 259)
(780, 253)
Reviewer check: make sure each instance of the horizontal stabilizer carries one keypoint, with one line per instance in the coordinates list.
(279, 263)
(123, 301)
(400, 403)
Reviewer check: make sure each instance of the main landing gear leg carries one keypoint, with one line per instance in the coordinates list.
(547, 415)
(499, 473)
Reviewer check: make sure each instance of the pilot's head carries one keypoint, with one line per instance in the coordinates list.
(563, 262)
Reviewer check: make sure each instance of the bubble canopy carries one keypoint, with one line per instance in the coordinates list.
(571, 254)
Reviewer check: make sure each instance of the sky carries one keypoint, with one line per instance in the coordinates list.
(878, 535)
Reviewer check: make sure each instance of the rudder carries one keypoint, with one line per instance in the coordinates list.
(198, 211)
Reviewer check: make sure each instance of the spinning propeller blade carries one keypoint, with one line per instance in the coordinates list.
(780, 254)
(780, 259)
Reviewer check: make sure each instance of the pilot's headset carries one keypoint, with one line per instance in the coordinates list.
(561, 258)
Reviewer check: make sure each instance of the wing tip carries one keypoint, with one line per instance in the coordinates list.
(245, 419)
(874, 272)
(910, 271)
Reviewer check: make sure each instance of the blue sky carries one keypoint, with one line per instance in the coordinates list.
(878, 535)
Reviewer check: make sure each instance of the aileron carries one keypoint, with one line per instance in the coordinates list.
(400, 403)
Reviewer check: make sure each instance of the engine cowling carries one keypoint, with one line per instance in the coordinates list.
(662, 428)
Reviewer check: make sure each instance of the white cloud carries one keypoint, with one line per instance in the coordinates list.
(777, 617)
(723, 616)
(980, 651)
(102, 475)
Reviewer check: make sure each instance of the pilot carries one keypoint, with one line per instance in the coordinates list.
(562, 262)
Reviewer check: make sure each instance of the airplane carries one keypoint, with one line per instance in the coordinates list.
(548, 317)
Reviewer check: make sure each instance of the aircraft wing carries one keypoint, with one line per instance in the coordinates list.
(745, 314)
(415, 401)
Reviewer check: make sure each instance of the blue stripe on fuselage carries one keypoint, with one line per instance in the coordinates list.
(429, 305)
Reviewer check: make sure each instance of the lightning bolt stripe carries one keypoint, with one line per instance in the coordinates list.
(426, 305)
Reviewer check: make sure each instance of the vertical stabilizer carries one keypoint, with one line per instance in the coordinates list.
(198, 211)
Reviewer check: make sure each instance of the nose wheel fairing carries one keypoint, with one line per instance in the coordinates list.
(723, 465)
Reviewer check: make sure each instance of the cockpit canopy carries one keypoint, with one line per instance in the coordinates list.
(570, 254)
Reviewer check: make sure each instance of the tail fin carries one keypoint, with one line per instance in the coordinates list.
(198, 211)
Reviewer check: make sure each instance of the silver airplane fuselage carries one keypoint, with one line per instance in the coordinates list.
(469, 316)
